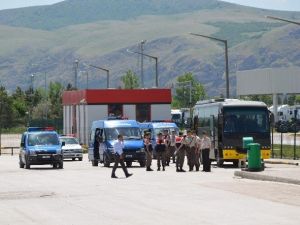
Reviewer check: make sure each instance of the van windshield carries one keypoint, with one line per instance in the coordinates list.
(162, 129)
(127, 132)
(42, 139)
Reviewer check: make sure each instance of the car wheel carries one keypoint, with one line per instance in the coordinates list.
(129, 164)
(27, 164)
(21, 164)
(80, 158)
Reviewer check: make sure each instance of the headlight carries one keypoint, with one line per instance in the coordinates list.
(111, 150)
(33, 153)
(141, 150)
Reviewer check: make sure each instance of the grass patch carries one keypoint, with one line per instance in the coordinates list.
(287, 151)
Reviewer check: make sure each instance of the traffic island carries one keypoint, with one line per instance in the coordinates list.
(262, 177)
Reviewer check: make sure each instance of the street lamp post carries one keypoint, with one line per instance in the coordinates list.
(142, 62)
(283, 20)
(226, 58)
(76, 64)
(100, 68)
(152, 57)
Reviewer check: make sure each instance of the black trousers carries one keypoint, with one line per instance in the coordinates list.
(206, 159)
(117, 161)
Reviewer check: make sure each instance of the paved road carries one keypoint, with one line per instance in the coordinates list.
(82, 194)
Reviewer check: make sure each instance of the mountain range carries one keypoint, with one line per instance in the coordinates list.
(46, 40)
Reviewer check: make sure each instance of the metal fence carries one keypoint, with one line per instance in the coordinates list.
(10, 143)
(285, 145)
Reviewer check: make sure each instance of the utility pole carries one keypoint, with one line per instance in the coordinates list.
(142, 63)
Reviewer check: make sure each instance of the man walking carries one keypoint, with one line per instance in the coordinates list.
(119, 157)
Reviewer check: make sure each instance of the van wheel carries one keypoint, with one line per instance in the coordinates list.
(129, 164)
(60, 165)
(94, 163)
(142, 163)
(106, 161)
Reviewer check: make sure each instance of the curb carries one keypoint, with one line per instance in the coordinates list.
(255, 176)
(281, 162)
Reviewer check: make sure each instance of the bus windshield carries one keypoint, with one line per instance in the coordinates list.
(127, 132)
(246, 120)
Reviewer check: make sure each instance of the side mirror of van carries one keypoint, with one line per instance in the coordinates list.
(63, 143)
(22, 144)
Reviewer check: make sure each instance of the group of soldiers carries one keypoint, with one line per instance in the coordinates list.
(172, 147)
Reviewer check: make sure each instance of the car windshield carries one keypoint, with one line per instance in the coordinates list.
(162, 129)
(176, 116)
(42, 139)
(246, 120)
(127, 132)
(69, 141)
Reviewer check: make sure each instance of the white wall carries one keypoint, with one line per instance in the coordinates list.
(129, 111)
(161, 112)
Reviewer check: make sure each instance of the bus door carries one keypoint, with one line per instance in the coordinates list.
(212, 129)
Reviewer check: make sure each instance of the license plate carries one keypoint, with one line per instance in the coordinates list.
(46, 157)
(128, 156)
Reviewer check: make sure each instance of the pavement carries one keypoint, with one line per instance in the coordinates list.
(288, 172)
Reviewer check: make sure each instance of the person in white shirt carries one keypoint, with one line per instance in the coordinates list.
(119, 157)
(205, 148)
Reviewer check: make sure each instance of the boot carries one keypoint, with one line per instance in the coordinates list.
(149, 169)
(163, 168)
(128, 175)
(182, 170)
(113, 176)
(197, 168)
(190, 168)
(158, 169)
(178, 170)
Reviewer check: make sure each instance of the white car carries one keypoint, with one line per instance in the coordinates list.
(72, 148)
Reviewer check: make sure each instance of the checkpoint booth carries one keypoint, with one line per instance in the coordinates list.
(82, 107)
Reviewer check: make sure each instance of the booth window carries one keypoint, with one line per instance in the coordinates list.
(115, 110)
(143, 112)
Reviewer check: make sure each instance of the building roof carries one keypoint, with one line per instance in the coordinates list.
(117, 96)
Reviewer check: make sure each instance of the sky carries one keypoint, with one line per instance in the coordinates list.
(291, 5)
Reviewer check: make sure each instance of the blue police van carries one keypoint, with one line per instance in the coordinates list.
(103, 135)
(158, 127)
(40, 146)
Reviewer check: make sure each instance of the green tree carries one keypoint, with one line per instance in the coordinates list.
(6, 111)
(262, 98)
(130, 80)
(182, 97)
(55, 98)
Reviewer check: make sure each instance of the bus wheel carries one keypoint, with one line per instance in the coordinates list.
(236, 163)
(220, 162)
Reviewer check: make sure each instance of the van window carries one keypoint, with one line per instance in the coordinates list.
(127, 132)
(42, 139)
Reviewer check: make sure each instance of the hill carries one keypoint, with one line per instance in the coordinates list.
(51, 45)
